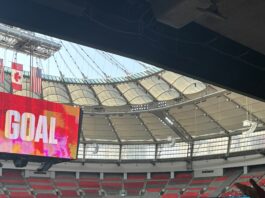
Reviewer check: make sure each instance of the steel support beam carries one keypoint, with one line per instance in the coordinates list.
(175, 126)
(180, 104)
(114, 131)
(228, 146)
(147, 129)
(138, 83)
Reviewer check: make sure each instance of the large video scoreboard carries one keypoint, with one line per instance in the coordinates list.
(38, 128)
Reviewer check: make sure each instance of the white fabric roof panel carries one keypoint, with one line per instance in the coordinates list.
(159, 89)
(159, 129)
(183, 84)
(134, 93)
(194, 121)
(233, 123)
(202, 129)
(223, 111)
(82, 95)
(55, 92)
(185, 112)
(97, 128)
(128, 127)
(109, 96)
(261, 115)
(252, 105)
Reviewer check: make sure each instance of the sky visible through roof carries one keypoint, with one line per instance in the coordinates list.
(73, 58)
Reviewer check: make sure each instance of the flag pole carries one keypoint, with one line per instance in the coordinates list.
(30, 73)
(15, 61)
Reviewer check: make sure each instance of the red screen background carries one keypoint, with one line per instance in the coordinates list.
(66, 130)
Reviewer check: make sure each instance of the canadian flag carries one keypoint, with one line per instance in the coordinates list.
(17, 76)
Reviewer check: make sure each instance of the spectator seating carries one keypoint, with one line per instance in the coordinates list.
(183, 185)
(243, 179)
(134, 184)
(112, 184)
(157, 182)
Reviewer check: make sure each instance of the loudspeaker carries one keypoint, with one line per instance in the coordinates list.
(20, 162)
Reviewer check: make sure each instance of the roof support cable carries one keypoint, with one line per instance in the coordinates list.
(62, 77)
(143, 65)
(92, 60)
(91, 66)
(102, 73)
(114, 61)
(82, 73)
(58, 67)
(67, 66)
(74, 61)
(122, 67)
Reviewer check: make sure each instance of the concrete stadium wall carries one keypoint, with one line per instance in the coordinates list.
(214, 164)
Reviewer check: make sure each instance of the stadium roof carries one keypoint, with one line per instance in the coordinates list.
(156, 108)
(219, 42)
(152, 108)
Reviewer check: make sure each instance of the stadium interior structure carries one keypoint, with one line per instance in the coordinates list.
(155, 133)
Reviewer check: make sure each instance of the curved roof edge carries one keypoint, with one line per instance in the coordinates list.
(136, 76)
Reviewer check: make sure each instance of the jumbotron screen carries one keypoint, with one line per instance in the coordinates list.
(39, 128)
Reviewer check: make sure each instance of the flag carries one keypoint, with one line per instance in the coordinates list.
(2, 71)
(35, 78)
(17, 76)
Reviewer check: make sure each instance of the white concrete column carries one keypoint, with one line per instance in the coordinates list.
(77, 175)
(172, 175)
(245, 169)
(149, 175)
(101, 176)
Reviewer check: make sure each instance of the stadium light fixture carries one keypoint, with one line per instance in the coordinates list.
(118, 163)
(20, 162)
(169, 121)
